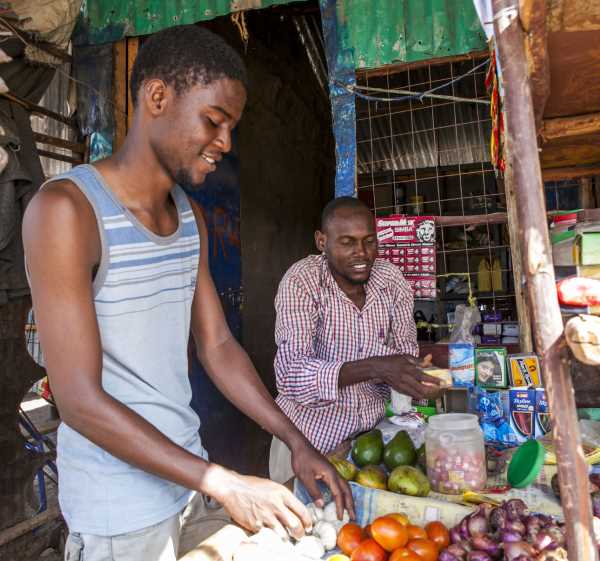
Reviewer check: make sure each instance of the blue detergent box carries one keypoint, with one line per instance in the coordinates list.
(542, 414)
(522, 405)
(461, 360)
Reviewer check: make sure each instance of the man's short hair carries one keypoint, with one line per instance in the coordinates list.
(185, 56)
(340, 203)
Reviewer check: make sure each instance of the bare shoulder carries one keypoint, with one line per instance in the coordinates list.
(59, 212)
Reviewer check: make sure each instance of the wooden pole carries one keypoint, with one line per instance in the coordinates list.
(16, 531)
(541, 287)
(523, 313)
(560, 174)
(133, 44)
(120, 91)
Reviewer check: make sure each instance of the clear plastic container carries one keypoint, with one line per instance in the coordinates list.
(455, 454)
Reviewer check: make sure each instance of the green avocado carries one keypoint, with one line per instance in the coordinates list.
(346, 469)
(408, 480)
(422, 458)
(372, 476)
(400, 451)
(368, 449)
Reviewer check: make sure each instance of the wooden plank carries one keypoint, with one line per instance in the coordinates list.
(61, 157)
(472, 220)
(533, 18)
(38, 110)
(76, 147)
(560, 174)
(563, 127)
(26, 526)
(541, 287)
(403, 66)
(132, 50)
(588, 199)
(120, 91)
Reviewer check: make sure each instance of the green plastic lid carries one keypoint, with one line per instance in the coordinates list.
(526, 464)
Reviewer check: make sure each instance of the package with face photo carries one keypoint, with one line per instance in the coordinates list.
(490, 367)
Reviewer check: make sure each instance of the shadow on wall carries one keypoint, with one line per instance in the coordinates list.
(287, 170)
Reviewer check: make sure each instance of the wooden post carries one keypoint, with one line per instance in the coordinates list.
(120, 91)
(541, 287)
(132, 50)
(523, 310)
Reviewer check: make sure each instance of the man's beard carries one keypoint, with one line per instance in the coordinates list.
(184, 180)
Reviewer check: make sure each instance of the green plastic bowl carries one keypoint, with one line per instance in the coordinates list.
(526, 464)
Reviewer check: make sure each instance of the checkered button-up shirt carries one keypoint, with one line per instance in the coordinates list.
(318, 329)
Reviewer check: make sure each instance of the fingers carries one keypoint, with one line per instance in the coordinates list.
(298, 509)
(424, 378)
(313, 489)
(292, 524)
(427, 361)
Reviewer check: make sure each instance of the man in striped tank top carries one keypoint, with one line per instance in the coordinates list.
(118, 263)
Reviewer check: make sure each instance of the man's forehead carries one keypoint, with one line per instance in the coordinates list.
(351, 219)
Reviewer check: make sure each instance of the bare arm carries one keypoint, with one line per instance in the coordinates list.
(231, 370)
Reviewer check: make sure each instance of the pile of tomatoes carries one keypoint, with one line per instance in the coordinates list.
(392, 538)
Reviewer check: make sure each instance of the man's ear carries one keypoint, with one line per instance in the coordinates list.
(155, 96)
(320, 239)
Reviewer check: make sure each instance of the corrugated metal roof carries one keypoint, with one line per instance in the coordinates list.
(104, 21)
(378, 31)
(387, 31)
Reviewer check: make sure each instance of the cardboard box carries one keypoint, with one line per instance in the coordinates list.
(490, 367)
(461, 359)
(522, 403)
(542, 414)
(524, 370)
(576, 248)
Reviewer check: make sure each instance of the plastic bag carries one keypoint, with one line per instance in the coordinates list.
(466, 317)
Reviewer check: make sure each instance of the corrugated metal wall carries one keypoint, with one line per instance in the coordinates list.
(378, 31)
(387, 31)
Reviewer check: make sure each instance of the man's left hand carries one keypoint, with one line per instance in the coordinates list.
(310, 466)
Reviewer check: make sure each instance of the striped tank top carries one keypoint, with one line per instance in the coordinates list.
(143, 293)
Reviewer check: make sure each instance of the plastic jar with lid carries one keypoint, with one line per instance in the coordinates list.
(455, 453)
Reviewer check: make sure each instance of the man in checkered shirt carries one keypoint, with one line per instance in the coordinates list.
(345, 334)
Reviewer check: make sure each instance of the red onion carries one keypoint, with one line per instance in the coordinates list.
(457, 550)
(464, 528)
(447, 556)
(477, 525)
(543, 540)
(510, 536)
(485, 509)
(455, 535)
(476, 555)
(515, 509)
(515, 526)
(512, 550)
(524, 558)
(487, 544)
(498, 518)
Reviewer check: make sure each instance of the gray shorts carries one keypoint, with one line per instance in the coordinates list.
(166, 541)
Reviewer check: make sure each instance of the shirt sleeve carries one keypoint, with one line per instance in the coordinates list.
(300, 375)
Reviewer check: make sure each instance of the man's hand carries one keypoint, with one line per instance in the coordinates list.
(404, 374)
(311, 466)
(254, 503)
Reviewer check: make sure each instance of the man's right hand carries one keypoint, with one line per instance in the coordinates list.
(404, 374)
(254, 503)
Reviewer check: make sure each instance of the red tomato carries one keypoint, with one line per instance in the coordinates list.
(399, 517)
(403, 554)
(350, 537)
(388, 533)
(425, 549)
(438, 534)
(416, 533)
(369, 550)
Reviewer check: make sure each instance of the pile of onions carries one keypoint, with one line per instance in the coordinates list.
(506, 533)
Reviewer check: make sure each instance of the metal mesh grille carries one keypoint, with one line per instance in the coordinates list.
(431, 157)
